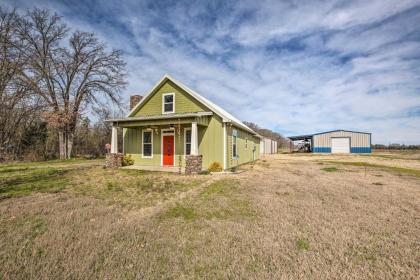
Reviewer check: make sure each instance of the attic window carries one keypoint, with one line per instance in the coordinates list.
(168, 105)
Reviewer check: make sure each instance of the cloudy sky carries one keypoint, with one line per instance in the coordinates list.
(295, 67)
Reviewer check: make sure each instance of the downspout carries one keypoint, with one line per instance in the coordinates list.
(224, 146)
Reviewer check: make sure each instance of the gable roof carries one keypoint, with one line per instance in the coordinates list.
(213, 107)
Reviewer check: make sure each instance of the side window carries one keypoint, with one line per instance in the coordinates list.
(187, 141)
(147, 143)
(168, 103)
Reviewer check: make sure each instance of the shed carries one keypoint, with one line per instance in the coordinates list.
(336, 141)
(268, 146)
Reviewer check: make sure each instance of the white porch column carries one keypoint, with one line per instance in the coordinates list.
(194, 139)
(114, 140)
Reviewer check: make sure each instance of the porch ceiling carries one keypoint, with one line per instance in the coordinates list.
(200, 117)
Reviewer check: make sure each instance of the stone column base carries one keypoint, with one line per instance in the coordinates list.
(113, 160)
(193, 164)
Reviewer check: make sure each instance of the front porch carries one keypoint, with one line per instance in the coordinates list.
(161, 143)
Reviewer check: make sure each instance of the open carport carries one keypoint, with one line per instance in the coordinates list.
(336, 142)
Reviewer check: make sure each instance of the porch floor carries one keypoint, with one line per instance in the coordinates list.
(155, 168)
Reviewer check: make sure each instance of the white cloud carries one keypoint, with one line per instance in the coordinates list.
(299, 67)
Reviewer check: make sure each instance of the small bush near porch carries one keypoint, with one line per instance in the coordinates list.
(215, 167)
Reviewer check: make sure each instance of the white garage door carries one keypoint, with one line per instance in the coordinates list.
(340, 145)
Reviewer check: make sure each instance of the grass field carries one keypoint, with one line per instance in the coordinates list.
(296, 216)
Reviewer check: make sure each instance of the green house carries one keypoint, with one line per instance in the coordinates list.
(173, 123)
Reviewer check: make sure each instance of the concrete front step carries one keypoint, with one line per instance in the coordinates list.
(155, 168)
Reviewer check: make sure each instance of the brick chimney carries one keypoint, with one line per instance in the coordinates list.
(134, 100)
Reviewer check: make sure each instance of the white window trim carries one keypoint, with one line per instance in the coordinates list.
(163, 103)
(142, 142)
(163, 132)
(235, 133)
(185, 141)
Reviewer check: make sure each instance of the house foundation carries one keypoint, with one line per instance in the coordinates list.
(113, 160)
(193, 164)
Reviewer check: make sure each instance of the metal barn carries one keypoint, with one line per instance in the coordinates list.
(336, 141)
(268, 146)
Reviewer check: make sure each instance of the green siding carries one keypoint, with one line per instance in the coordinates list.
(133, 146)
(184, 103)
(244, 147)
(210, 143)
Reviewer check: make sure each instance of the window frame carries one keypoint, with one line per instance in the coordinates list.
(234, 144)
(185, 141)
(151, 143)
(163, 103)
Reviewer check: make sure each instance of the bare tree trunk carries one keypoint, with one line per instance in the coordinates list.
(62, 144)
(69, 140)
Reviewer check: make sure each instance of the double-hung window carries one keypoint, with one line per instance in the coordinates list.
(168, 101)
(187, 141)
(234, 143)
(147, 144)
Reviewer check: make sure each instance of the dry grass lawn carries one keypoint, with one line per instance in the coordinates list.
(288, 217)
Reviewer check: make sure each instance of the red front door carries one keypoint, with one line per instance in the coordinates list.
(168, 150)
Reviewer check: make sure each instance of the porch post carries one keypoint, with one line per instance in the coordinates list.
(194, 139)
(114, 140)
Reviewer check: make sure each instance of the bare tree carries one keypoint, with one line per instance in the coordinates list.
(282, 142)
(18, 108)
(70, 73)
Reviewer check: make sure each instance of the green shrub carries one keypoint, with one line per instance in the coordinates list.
(215, 167)
(127, 160)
